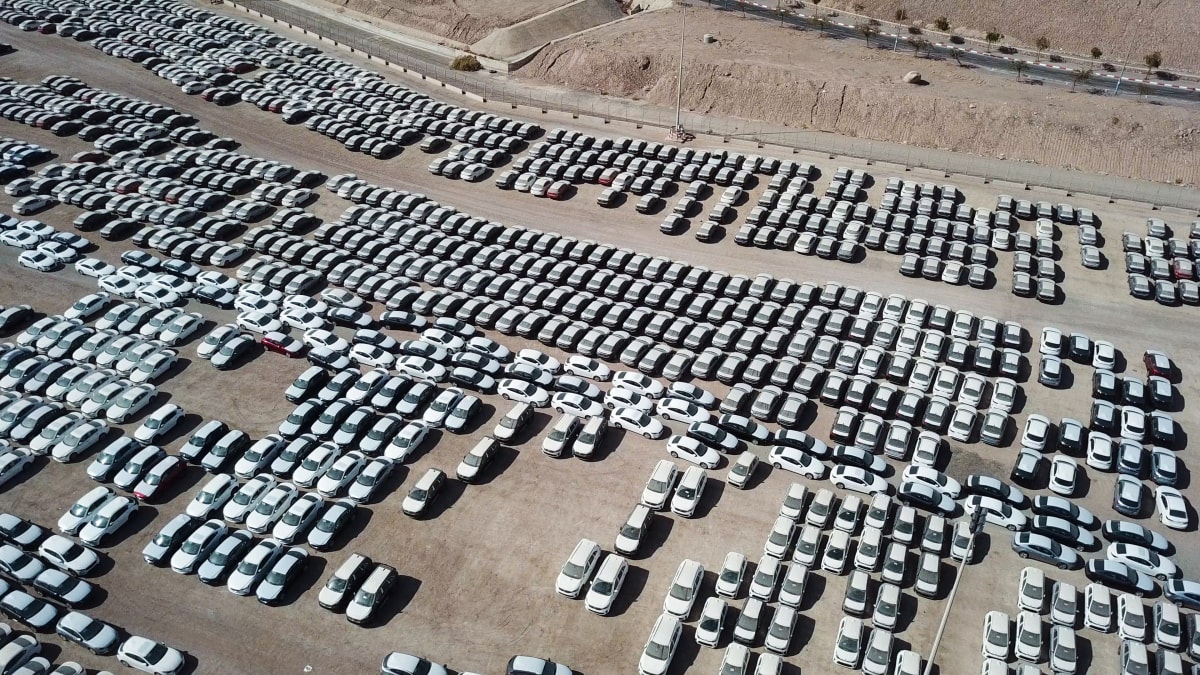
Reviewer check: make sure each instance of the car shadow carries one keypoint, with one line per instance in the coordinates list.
(1083, 654)
(814, 588)
(532, 429)
(401, 596)
(708, 500)
(310, 578)
(1083, 484)
(183, 429)
(504, 457)
(357, 525)
(432, 438)
(759, 476)
(631, 589)
(481, 417)
(394, 480)
(145, 514)
(612, 440)
(446, 498)
(687, 653)
(802, 634)
(906, 613)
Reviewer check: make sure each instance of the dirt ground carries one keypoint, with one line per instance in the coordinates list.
(478, 578)
(1117, 27)
(795, 78)
(460, 21)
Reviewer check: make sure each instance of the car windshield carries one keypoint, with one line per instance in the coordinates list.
(364, 598)
(418, 494)
(848, 643)
(163, 540)
(248, 567)
(276, 578)
(79, 510)
(997, 638)
(1031, 638)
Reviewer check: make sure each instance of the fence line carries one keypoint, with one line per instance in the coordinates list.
(1126, 156)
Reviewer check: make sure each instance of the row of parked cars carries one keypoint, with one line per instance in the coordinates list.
(54, 567)
(1162, 266)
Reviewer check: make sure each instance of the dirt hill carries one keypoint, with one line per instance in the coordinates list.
(465, 21)
(1117, 27)
(782, 76)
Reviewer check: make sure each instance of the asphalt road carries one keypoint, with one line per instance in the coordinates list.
(998, 64)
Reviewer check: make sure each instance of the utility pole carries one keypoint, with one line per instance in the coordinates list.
(679, 79)
(978, 520)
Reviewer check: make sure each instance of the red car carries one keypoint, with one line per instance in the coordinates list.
(159, 477)
(283, 344)
(1183, 269)
(1157, 363)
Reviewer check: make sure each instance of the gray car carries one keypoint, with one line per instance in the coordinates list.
(92, 634)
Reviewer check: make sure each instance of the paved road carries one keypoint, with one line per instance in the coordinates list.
(990, 62)
(387, 45)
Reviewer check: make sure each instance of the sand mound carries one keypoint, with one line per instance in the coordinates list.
(537, 31)
(759, 71)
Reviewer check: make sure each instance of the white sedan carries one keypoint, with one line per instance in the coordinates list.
(679, 410)
(998, 512)
(372, 356)
(39, 260)
(694, 451)
(639, 383)
(258, 322)
(328, 339)
(637, 421)
(303, 319)
(118, 285)
(855, 478)
(796, 461)
(1172, 507)
(582, 366)
(513, 389)
(149, 656)
(568, 402)
(157, 295)
(1143, 560)
(620, 397)
(94, 267)
(933, 478)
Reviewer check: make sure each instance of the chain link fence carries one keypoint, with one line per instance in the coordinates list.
(1180, 167)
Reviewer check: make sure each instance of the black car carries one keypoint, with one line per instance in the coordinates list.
(1132, 533)
(212, 295)
(1105, 386)
(1119, 576)
(922, 497)
(992, 487)
(744, 428)
(344, 316)
(1184, 593)
(1062, 531)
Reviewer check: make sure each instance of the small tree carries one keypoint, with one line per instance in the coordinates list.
(941, 23)
(1081, 75)
(869, 29)
(1153, 60)
(1019, 66)
(1096, 53)
(902, 14)
(957, 53)
(1042, 44)
(992, 38)
(914, 30)
(466, 62)
(918, 44)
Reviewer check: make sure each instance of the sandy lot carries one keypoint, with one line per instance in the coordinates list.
(459, 21)
(478, 577)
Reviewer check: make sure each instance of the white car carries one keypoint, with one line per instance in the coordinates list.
(68, 556)
(620, 397)
(327, 339)
(998, 512)
(684, 589)
(679, 410)
(796, 461)
(997, 636)
(712, 622)
(568, 402)
(272, 507)
(84, 508)
(694, 451)
(660, 646)
(933, 478)
(149, 656)
(519, 390)
(578, 568)
(855, 478)
(1143, 560)
(108, 519)
(1028, 642)
(1064, 473)
(607, 584)
(406, 441)
(246, 498)
(341, 473)
(1172, 507)
(94, 268)
(639, 383)
(158, 423)
(372, 356)
(298, 518)
(1036, 433)
(158, 295)
(591, 369)
(258, 322)
(254, 566)
(637, 421)
(130, 402)
(848, 647)
(211, 498)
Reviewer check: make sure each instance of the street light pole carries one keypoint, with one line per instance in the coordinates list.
(978, 521)
(679, 79)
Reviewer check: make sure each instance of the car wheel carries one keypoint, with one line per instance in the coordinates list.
(1011, 528)
(1161, 577)
(1062, 566)
(1023, 554)
(675, 454)
(1140, 593)
(776, 465)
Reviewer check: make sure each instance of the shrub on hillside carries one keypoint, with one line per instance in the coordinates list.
(466, 62)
